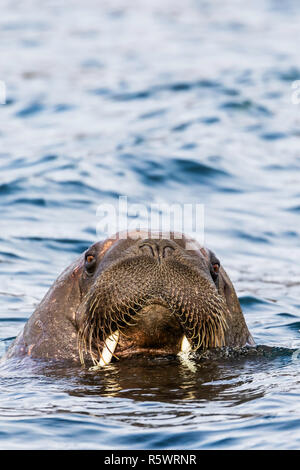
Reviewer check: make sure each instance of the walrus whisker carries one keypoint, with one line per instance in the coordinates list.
(187, 319)
(82, 343)
(195, 335)
(198, 343)
(89, 333)
(90, 343)
(128, 323)
(94, 304)
(121, 328)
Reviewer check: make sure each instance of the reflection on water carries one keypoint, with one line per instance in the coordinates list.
(153, 403)
(230, 377)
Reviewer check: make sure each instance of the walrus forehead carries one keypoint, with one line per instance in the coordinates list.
(101, 247)
(205, 253)
(155, 235)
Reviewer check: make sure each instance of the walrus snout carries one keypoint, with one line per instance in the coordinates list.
(155, 331)
(156, 299)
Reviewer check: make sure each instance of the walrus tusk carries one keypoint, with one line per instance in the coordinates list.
(185, 345)
(109, 348)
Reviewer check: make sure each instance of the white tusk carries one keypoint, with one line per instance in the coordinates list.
(185, 345)
(108, 350)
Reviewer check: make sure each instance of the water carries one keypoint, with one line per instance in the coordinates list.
(164, 102)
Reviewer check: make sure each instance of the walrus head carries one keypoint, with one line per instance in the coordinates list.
(141, 294)
(154, 296)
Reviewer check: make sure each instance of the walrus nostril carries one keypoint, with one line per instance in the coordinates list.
(149, 248)
(156, 248)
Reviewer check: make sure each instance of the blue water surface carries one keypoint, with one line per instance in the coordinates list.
(163, 102)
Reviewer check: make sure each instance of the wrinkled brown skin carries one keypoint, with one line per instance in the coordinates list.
(52, 330)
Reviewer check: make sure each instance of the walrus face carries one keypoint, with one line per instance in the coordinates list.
(149, 296)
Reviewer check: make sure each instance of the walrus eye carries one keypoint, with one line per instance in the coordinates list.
(90, 263)
(214, 270)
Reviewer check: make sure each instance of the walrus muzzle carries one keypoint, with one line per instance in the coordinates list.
(147, 303)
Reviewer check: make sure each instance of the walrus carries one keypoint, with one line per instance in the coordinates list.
(131, 295)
